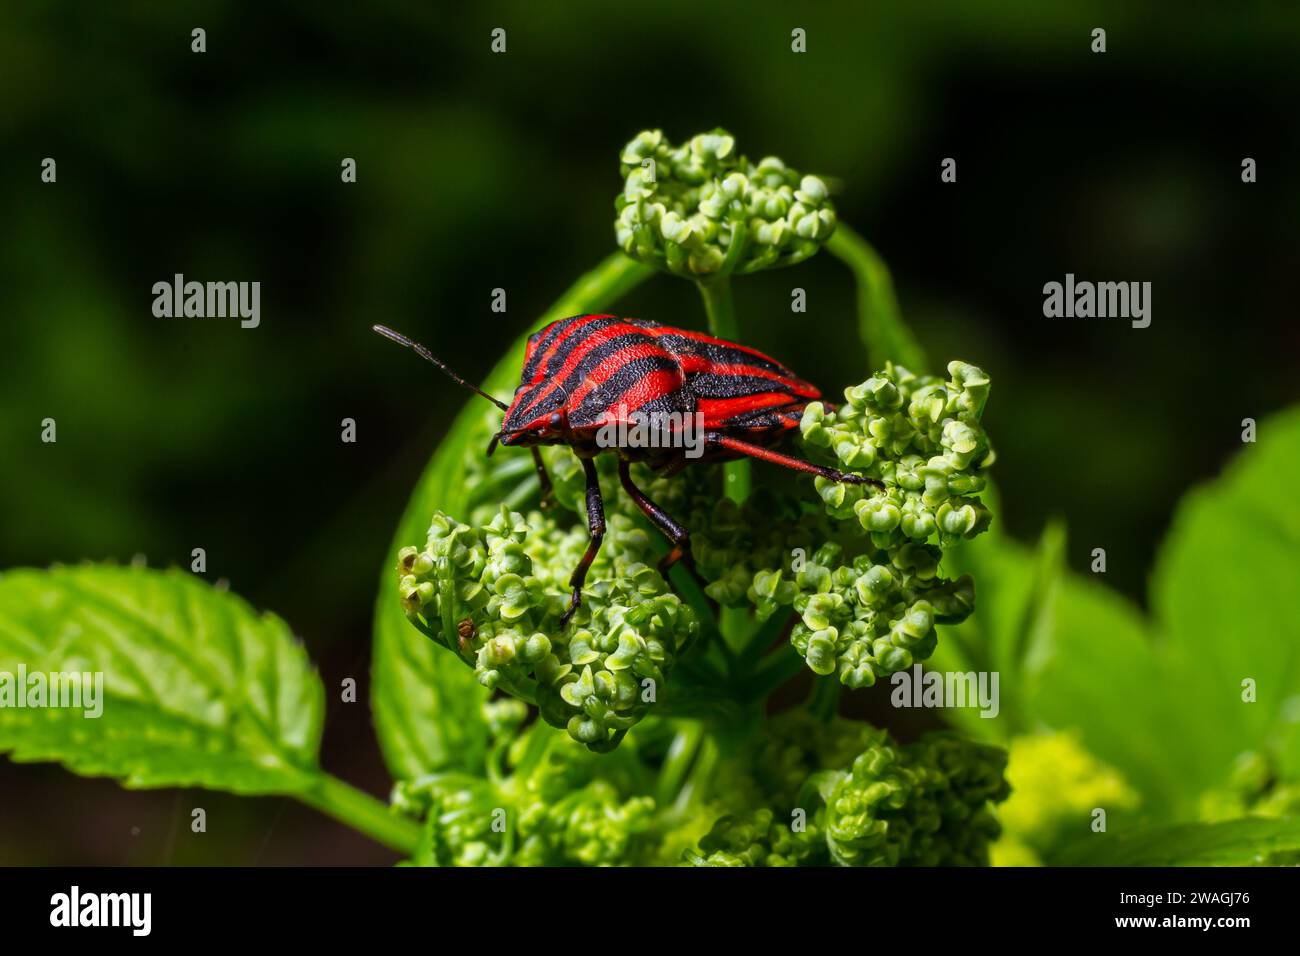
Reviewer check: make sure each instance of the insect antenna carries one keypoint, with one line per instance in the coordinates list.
(424, 353)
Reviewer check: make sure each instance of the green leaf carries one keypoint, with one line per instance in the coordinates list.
(198, 688)
(1003, 583)
(1163, 701)
(880, 323)
(1015, 594)
(1098, 671)
(1249, 841)
(1226, 592)
(427, 703)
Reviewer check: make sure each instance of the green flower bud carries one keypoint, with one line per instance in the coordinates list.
(499, 651)
(504, 716)
(820, 652)
(856, 665)
(423, 593)
(536, 649)
(953, 601)
(822, 610)
(811, 191)
(878, 514)
(875, 586)
(956, 522)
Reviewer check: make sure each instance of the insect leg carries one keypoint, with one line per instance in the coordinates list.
(596, 525)
(787, 461)
(548, 491)
(678, 535)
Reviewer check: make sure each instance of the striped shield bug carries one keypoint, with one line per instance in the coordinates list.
(591, 376)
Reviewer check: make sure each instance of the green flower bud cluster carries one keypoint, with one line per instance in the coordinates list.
(494, 595)
(773, 774)
(458, 813)
(926, 804)
(757, 838)
(870, 609)
(920, 436)
(739, 541)
(870, 617)
(730, 542)
(551, 809)
(844, 793)
(702, 209)
(798, 744)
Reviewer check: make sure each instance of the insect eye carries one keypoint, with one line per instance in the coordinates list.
(556, 418)
(520, 389)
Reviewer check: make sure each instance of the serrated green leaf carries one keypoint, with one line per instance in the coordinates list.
(1249, 841)
(427, 703)
(198, 688)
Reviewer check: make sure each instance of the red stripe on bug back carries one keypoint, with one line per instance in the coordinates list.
(719, 411)
(610, 366)
(592, 340)
(575, 323)
(702, 363)
(645, 389)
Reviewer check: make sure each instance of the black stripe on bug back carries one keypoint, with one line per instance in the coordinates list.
(680, 400)
(587, 355)
(720, 353)
(715, 385)
(598, 353)
(545, 338)
(521, 414)
(577, 338)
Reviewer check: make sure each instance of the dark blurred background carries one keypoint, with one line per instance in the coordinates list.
(478, 171)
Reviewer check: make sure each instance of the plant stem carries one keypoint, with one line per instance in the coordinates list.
(761, 642)
(362, 812)
(880, 324)
(735, 623)
(778, 667)
(824, 700)
(681, 754)
(721, 311)
(695, 790)
(719, 306)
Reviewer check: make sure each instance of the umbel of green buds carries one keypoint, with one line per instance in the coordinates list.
(921, 436)
(845, 793)
(544, 804)
(928, 804)
(868, 612)
(701, 209)
(873, 616)
(494, 596)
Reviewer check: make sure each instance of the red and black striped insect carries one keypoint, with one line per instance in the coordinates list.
(586, 373)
